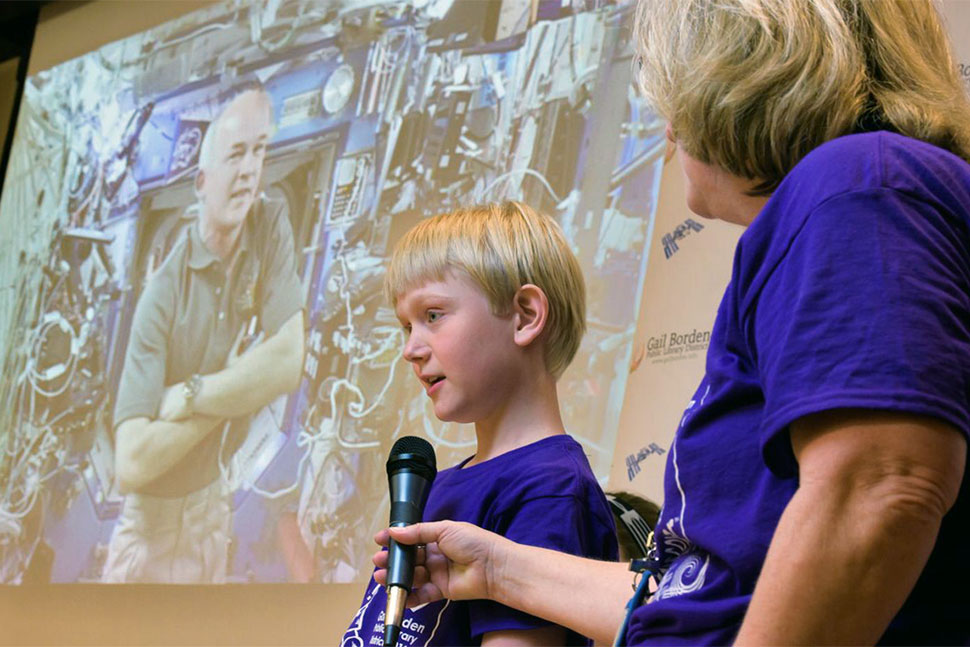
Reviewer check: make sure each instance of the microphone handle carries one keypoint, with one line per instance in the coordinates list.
(400, 562)
(409, 493)
(393, 616)
(400, 576)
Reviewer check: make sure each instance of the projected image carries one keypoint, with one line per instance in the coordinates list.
(196, 221)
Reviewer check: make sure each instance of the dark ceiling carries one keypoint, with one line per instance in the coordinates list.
(17, 22)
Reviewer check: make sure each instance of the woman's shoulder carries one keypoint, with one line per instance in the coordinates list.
(854, 166)
(875, 161)
(842, 188)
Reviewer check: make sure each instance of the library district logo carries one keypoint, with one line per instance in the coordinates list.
(679, 233)
(675, 345)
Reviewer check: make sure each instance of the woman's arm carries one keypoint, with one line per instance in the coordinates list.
(873, 489)
(464, 562)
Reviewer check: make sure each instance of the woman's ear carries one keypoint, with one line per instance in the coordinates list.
(530, 310)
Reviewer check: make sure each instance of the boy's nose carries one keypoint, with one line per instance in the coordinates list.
(414, 349)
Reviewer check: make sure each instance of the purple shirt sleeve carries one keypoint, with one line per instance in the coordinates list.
(868, 308)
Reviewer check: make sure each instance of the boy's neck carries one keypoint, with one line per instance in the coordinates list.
(529, 417)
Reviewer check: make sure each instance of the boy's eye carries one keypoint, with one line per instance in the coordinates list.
(433, 316)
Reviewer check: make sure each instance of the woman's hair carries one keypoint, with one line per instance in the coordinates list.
(500, 248)
(752, 86)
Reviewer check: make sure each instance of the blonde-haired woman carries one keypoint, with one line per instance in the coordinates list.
(815, 490)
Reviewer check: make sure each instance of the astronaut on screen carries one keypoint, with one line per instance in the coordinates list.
(217, 334)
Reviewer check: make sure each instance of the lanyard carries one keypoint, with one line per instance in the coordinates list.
(640, 592)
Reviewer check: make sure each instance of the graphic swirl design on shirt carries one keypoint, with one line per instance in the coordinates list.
(685, 576)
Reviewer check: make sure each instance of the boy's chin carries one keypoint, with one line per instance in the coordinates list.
(448, 415)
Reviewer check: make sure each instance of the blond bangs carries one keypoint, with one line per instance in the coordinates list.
(419, 257)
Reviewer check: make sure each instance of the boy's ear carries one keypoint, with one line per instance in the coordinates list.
(530, 310)
(199, 181)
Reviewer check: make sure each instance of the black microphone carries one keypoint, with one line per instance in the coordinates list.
(410, 471)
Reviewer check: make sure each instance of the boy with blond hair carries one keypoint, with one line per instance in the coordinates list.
(492, 302)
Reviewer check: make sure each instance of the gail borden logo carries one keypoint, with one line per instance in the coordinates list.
(674, 344)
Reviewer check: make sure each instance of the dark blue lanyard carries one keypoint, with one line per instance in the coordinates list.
(639, 595)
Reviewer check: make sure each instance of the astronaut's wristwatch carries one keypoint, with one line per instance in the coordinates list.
(190, 389)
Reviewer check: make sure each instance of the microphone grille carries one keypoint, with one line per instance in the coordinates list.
(420, 447)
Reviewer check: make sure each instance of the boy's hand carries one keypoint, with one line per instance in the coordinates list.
(459, 561)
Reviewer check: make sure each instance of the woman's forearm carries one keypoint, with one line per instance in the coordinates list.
(585, 595)
(461, 561)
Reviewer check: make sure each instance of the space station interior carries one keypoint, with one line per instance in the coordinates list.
(385, 113)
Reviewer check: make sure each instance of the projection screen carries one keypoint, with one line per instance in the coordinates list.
(383, 113)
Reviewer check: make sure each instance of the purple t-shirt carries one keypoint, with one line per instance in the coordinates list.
(543, 494)
(850, 289)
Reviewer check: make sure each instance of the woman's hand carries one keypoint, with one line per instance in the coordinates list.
(459, 560)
